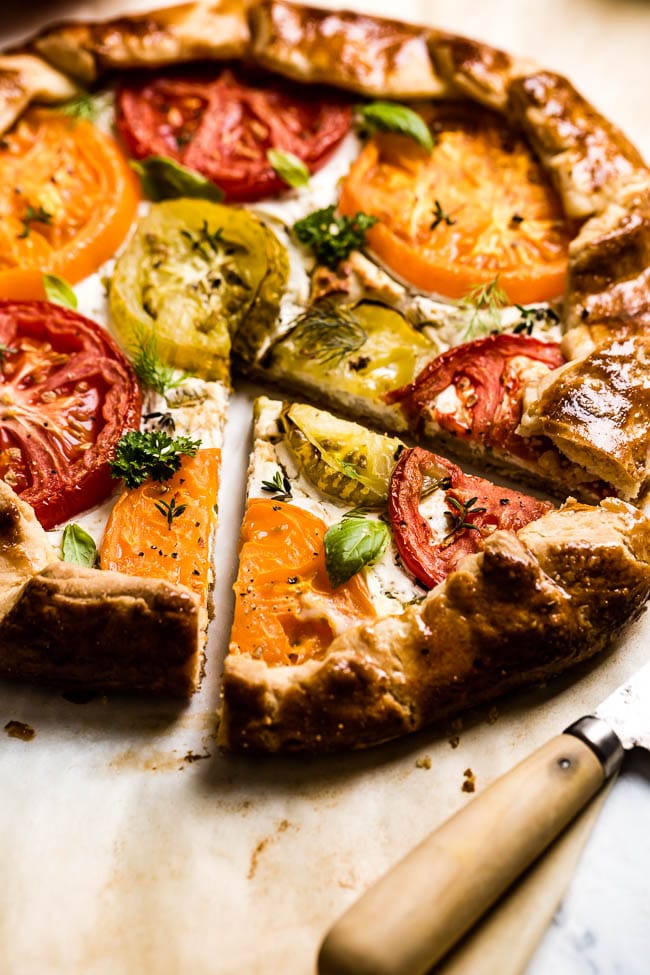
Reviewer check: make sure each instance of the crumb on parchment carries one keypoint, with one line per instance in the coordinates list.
(424, 762)
(469, 783)
(18, 729)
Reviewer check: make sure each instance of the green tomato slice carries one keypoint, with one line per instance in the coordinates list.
(363, 350)
(341, 458)
(191, 275)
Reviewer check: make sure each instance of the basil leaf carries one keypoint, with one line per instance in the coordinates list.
(288, 167)
(59, 291)
(391, 117)
(164, 179)
(78, 547)
(352, 543)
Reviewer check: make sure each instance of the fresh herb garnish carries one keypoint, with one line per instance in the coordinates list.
(85, 105)
(170, 510)
(327, 333)
(392, 117)
(6, 350)
(205, 240)
(59, 291)
(439, 216)
(331, 238)
(31, 216)
(153, 455)
(352, 543)
(529, 317)
(164, 179)
(484, 303)
(147, 364)
(289, 167)
(458, 518)
(279, 486)
(78, 547)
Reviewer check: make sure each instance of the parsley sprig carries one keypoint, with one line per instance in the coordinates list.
(332, 238)
(153, 455)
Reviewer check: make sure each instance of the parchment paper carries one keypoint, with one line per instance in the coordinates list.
(128, 844)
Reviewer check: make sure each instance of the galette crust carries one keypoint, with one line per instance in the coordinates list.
(84, 628)
(529, 606)
(187, 32)
(596, 410)
(25, 78)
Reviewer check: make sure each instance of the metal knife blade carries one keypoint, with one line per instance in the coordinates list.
(627, 710)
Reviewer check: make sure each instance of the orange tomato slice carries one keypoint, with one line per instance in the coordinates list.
(67, 200)
(479, 206)
(141, 541)
(282, 588)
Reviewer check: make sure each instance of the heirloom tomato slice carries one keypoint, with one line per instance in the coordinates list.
(477, 207)
(286, 610)
(67, 199)
(66, 396)
(474, 391)
(222, 126)
(474, 509)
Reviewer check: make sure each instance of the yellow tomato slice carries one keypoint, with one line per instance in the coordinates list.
(284, 601)
(479, 206)
(67, 200)
(142, 541)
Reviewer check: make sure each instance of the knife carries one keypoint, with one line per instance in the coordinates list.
(412, 916)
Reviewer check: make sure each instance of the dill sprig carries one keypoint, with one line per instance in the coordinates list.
(147, 364)
(327, 333)
(484, 303)
(87, 105)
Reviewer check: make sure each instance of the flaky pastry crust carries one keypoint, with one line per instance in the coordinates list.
(529, 606)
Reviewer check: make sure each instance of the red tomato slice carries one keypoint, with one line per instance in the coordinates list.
(475, 390)
(222, 126)
(476, 508)
(66, 396)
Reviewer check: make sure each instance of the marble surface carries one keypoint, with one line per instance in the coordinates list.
(121, 857)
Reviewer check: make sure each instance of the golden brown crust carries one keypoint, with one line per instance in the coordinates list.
(587, 157)
(596, 411)
(478, 71)
(24, 79)
(187, 32)
(526, 608)
(84, 628)
(77, 627)
(366, 54)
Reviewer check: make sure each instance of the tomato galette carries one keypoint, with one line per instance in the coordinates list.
(440, 249)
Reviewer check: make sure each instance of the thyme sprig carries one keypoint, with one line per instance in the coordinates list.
(458, 518)
(529, 317)
(31, 216)
(439, 216)
(170, 510)
(205, 241)
(279, 486)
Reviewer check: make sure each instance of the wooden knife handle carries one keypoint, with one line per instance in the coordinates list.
(413, 915)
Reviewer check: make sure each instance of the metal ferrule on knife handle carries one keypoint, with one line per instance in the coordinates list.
(604, 742)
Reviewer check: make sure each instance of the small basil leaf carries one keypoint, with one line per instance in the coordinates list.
(78, 547)
(164, 179)
(391, 117)
(352, 543)
(59, 291)
(288, 167)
